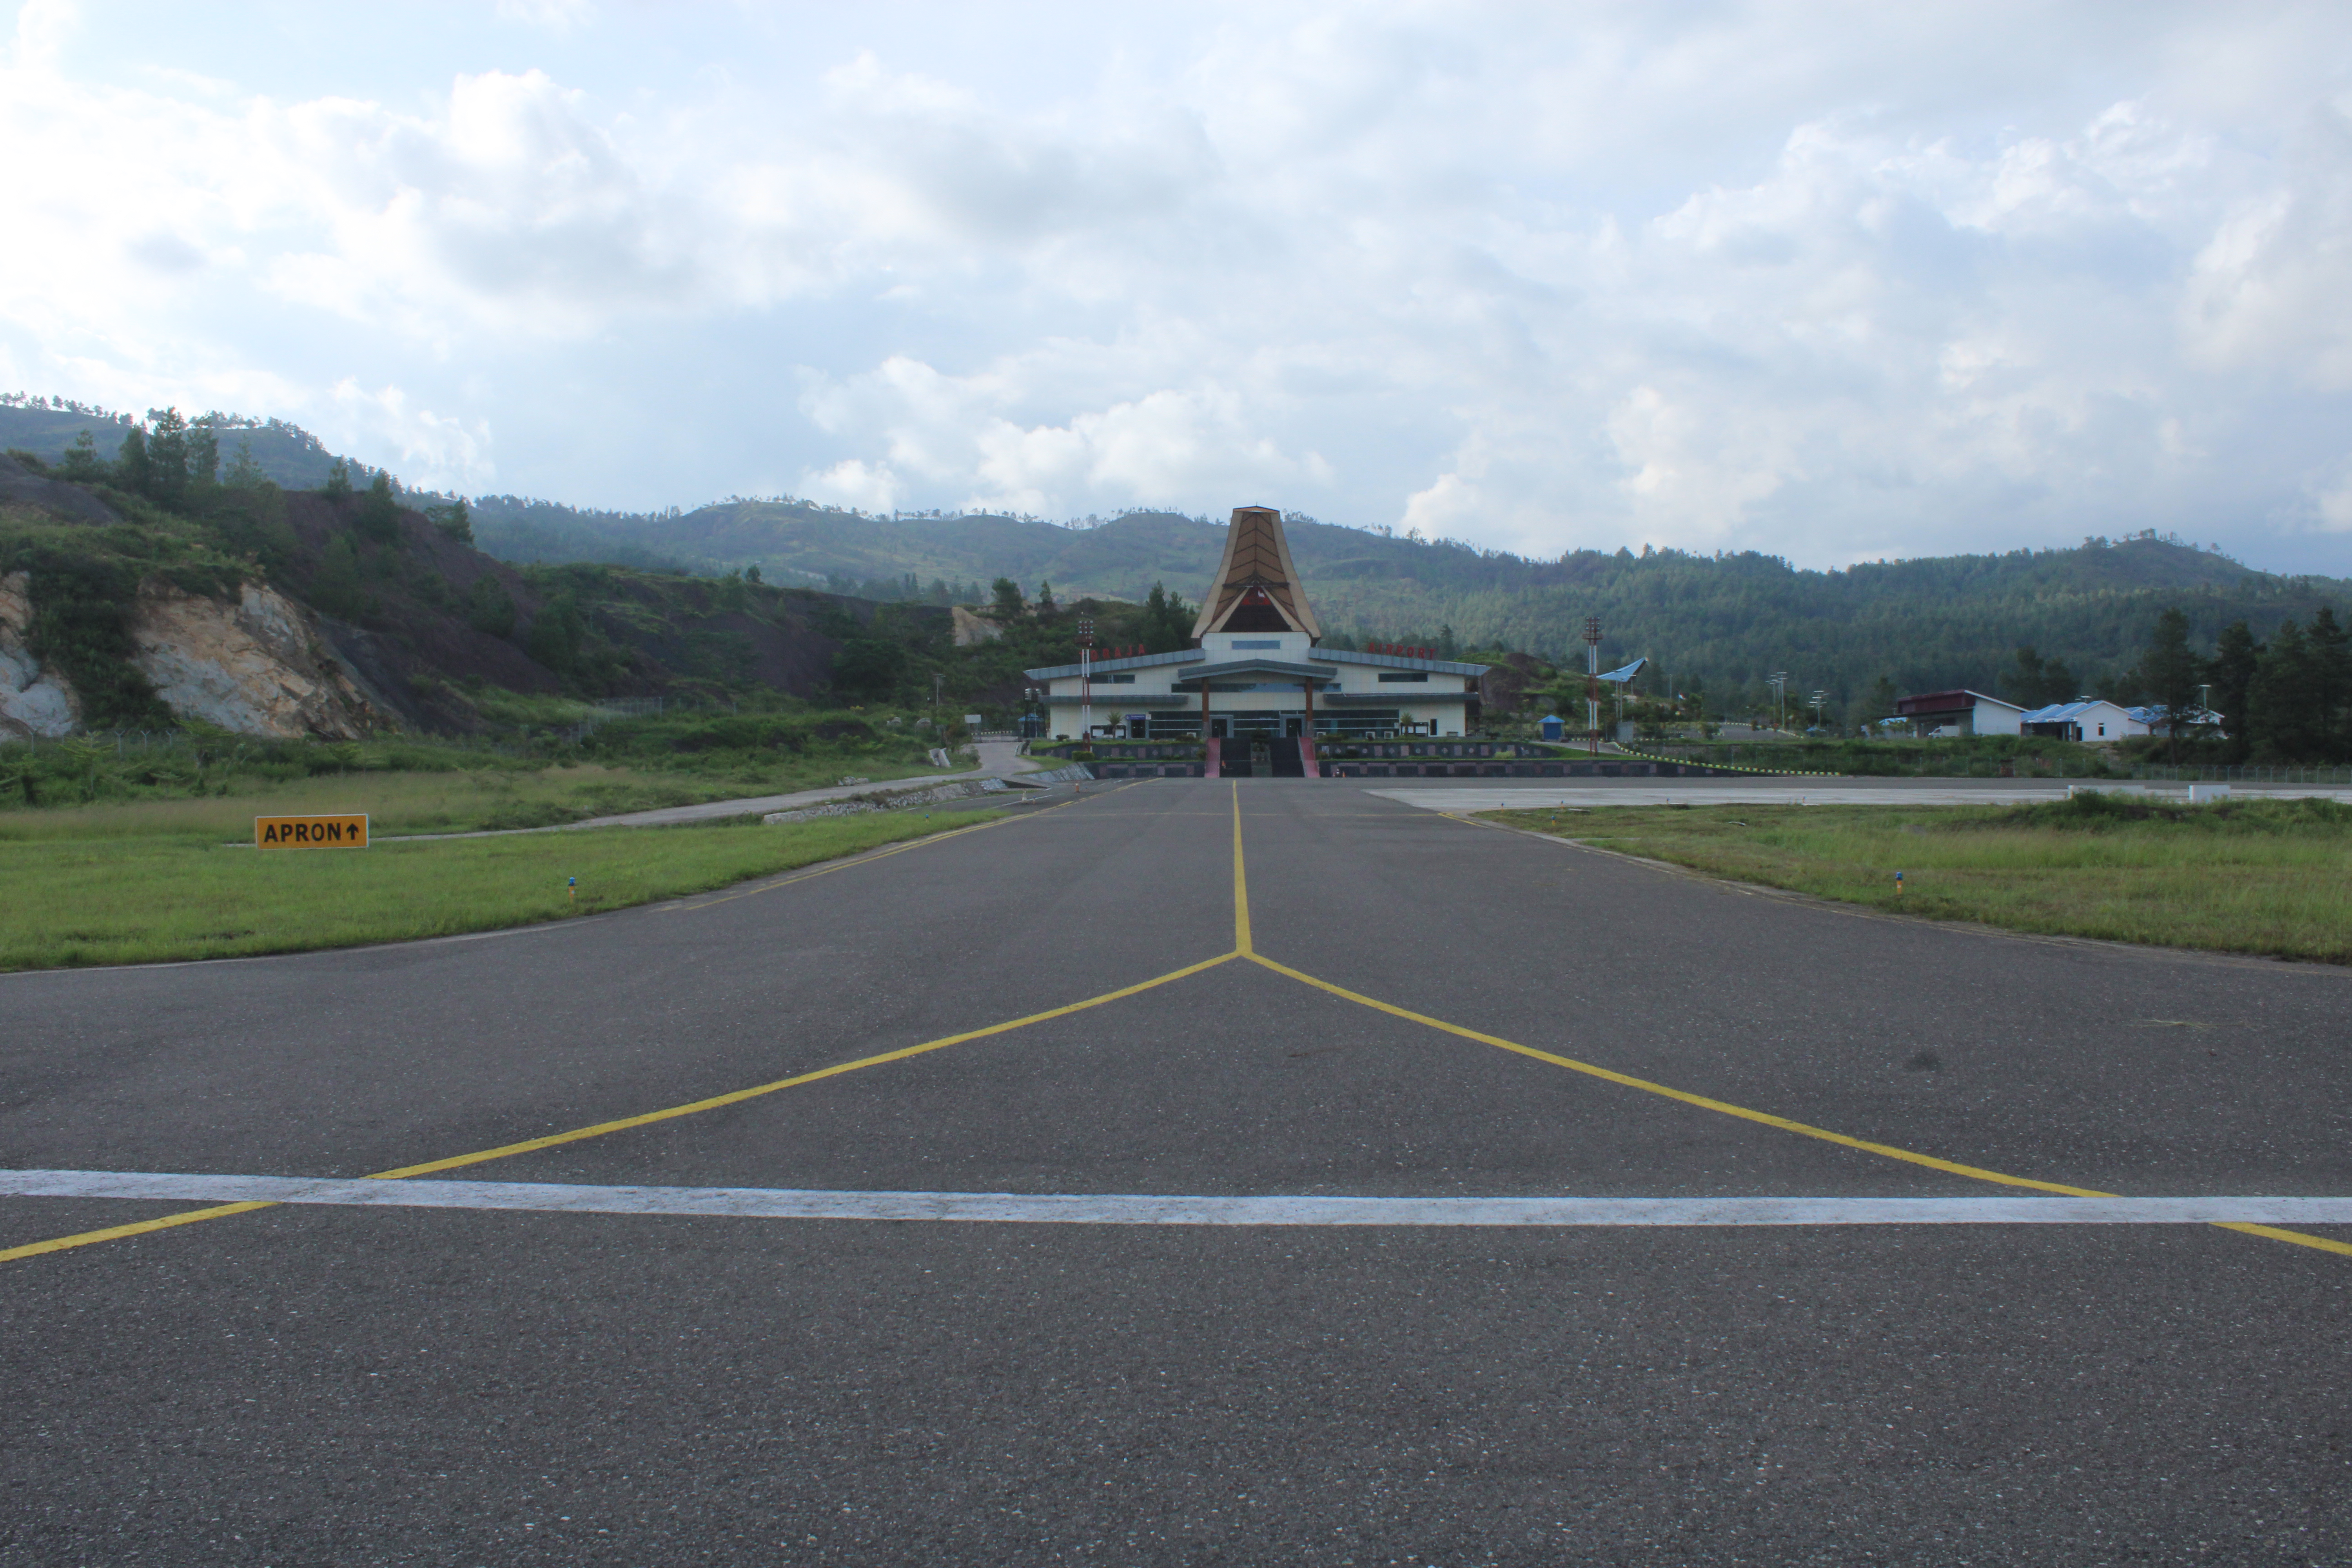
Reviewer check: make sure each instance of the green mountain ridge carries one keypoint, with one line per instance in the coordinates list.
(1726, 621)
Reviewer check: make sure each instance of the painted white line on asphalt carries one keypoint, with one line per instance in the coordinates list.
(1132, 1208)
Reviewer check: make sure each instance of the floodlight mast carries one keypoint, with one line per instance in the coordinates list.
(1592, 680)
(1086, 681)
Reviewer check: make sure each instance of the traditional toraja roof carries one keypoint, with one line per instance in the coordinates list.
(1322, 655)
(1257, 588)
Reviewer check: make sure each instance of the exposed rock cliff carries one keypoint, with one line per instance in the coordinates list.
(35, 700)
(255, 666)
(970, 629)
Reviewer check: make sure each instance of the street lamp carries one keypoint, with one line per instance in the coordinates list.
(1779, 680)
(1086, 679)
(1592, 680)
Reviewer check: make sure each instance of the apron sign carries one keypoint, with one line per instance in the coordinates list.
(310, 832)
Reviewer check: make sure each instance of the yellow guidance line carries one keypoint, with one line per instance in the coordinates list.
(1241, 948)
(602, 1129)
(1886, 1150)
(692, 1108)
(116, 1232)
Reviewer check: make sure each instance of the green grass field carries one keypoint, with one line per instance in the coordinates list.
(151, 894)
(2256, 877)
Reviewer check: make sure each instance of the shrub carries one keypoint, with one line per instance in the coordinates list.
(489, 607)
(555, 634)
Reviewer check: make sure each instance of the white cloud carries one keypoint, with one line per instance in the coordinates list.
(1833, 281)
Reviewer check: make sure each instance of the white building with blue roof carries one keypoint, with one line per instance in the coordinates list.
(2094, 720)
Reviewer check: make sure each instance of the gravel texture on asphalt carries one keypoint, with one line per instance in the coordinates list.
(308, 1383)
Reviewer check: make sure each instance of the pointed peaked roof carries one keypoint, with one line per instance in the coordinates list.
(1256, 585)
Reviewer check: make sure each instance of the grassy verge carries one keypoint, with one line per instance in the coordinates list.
(148, 898)
(399, 801)
(2257, 876)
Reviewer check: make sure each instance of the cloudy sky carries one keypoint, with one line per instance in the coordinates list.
(1834, 282)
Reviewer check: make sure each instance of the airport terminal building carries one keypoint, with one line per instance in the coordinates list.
(1259, 668)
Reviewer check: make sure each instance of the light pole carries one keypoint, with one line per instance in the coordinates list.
(1592, 680)
(1819, 698)
(1086, 679)
(1779, 679)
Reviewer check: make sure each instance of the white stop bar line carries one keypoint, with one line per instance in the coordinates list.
(1145, 1208)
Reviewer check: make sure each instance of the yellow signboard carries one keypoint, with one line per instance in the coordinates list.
(337, 832)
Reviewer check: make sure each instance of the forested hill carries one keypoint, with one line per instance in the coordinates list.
(1726, 620)
(512, 527)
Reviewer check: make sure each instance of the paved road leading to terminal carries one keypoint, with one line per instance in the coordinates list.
(1269, 1092)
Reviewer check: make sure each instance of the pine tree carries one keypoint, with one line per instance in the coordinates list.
(204, 457)
(455, 521)
(339, 481)
(2236, 658)
(130, 470)
(167, 458)
(2331, 671)
(2284, 695)
(2168, 673)
(81, 460)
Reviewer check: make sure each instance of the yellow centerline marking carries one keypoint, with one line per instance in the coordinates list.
(1241, 884)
